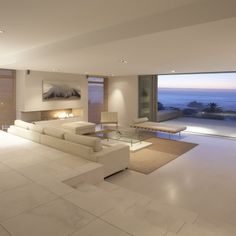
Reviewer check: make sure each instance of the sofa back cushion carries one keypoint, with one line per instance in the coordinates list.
(54, 132)
(36, 128)
(22, 124)
(93, 142)
(140, 120)
(68, 147)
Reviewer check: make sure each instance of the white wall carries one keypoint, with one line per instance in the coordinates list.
(29, 92)
(123, 98)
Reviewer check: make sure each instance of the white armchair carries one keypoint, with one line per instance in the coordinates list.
(109, 118)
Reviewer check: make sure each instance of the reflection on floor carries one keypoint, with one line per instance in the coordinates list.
(192, 195)
(226, 128)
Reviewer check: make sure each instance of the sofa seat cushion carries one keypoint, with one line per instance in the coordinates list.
(54, 132)
(22, 124)
(93, 142)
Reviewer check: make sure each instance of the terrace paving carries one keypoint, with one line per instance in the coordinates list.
(226, 128)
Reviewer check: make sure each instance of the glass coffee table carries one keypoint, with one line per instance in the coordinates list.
(130, 136)
(103, 133)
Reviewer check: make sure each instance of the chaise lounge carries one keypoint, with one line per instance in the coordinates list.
(145, 124)
(72, 125)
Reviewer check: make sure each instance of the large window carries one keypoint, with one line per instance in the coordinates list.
(97, 96)
(209, 97)
(7, 98)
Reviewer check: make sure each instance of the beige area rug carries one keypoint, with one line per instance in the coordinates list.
(158, 154)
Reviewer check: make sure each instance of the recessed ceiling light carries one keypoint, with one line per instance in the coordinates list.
(124, 61)
(1, 31)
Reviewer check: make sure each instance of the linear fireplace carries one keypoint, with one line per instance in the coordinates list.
(51, 114)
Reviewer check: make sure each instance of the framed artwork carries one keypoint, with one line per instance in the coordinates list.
(61, 90)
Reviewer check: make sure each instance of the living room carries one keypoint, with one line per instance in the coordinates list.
(66, 171)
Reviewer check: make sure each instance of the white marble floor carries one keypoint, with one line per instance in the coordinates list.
(193, 195)
(202, 181)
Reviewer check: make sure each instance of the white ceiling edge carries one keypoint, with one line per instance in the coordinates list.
(197, 37)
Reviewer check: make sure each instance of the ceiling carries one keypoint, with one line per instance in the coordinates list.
(93, 36)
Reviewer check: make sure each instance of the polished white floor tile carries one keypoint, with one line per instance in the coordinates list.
(192, 230)
(45, 169)
(107, 186)
(59, 218)
(171, 234)
(173, 211)
(192, 195)
(4, 168)
(217, 226)
(21, 160)
(132, 224)
(199, 181)
(156, 218)
(128, 179)
(54, 185)
(70, 161)
(91, 199)
(3, 231)
(47, 152)
(125, 198)
(99, 227)
(17, 200)
(11, 179)
(13, 153)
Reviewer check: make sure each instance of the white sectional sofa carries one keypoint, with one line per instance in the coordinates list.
(113, 158)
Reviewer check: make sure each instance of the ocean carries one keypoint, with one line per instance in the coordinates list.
(173, 97)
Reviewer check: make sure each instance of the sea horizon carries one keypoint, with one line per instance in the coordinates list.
(181, 97)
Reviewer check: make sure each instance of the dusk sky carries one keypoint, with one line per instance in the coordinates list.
(207, 81)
